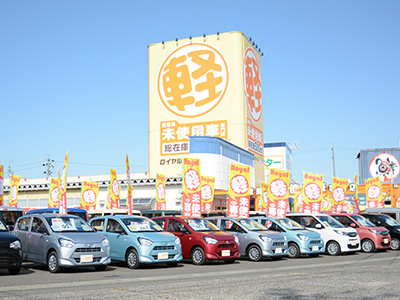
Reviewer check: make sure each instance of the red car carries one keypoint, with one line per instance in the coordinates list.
(371, 236)
(201, 240)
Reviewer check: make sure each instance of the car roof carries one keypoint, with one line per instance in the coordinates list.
(49, 215)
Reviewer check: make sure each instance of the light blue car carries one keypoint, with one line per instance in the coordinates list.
(300, 240)
(138, 240)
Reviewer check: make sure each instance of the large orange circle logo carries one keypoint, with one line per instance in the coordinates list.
(193, 80)
(252, 84)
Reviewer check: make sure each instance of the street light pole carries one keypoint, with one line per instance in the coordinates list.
(333, 161)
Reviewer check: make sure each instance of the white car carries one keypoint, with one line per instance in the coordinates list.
(336, 237)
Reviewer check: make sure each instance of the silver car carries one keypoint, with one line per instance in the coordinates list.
(255, 241)
(61, 241)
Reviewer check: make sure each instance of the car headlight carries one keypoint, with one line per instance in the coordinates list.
(105, 243)
(15, 245)
(374, 231)
(177, 241)
(210, 240)
(303, 237)
(145, 242)
(66, 243)
(236, 240)
(265, 238)
(340, 232)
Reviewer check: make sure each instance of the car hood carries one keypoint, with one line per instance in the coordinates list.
(346, 229)
(272, 235)
(308, 233)
(82, 237)
(7, 237)
(156, 236)
(218, 235)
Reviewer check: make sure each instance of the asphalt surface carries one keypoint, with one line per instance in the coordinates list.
(356, 276)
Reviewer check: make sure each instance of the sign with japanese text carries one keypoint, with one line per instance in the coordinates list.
(191, 187)
(356, 192)
(207, 193)
(373, 192)
(278, 193)
(263, 198)
(312, 192)
(14, 186)
(114, 190)
(54, 200)
(63, 188)
(108, 202)
(1, 185)
(298, 199)
(339, 189)
(129, 204)
(89, 194)
(327, 201)
(161, 199)
(239, 191)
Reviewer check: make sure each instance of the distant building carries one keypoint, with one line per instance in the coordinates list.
(277, 156)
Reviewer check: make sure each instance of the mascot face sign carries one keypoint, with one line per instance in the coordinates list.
(384, 165)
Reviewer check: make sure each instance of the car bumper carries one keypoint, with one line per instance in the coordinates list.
(349, 244)
(10, 259)
(311, 246)
(81, 255)
(222, 251)
(383, 243)
(275, 248)
(160, 253)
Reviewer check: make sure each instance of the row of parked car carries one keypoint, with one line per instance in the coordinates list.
(69, 241)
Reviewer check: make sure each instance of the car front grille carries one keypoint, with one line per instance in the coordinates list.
(315, 242)
(86, 250)
(226, 246)
(95, 259)
(384, 233)
(277, 244)
(164, 248)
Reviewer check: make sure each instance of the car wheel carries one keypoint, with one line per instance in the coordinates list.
(52, 262)
(198, 256)
(14, 271)
(100, 268)
(254, 253)
(367, 246)
(395, 244)
(333, 248)
(229, 261)
(293, 250)
(172, 264)
(132, 259)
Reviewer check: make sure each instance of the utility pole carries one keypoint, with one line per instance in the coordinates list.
(10, 171)
(48, 163)
(333, 160)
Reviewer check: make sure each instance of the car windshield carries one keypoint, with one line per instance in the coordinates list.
(328, 221)
(3, 226)
(141, 225)
(290, 224)
(363, 221)
(68, 224)
(390, 221)
(252, 225)
(201, 225)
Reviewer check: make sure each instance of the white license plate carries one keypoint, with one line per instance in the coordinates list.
(278, 250)
(86, 258)
(386, 241)
(315, 248)
(226, 253)
(353, 243)
(163, 255)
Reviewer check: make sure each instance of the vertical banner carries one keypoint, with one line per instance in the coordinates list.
(239, 191)
(89, 194)
(129, 204)
(63, 188)
(298, 199)
(312, 192)
(207, 193)
(1, 185)
(114, 190)
(339, 188)
(373, 191)
(278, 193)
(327, 201)
(161, 203)
(356, 192)
(191, 188)
(14, 186)
(108, 201)
(54, 199)
(264, 197)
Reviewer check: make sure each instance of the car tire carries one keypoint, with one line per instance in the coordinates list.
(100, 268)
(395, 245)
(333, 248)
(229, 261)
(367, 246)
(172, 264)
(293, 250)
(14, 271)
(132, 259)
(254, 253)
(52, 262)
(198, 256)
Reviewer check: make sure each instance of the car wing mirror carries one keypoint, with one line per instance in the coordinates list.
(318, 226)
(353, 225)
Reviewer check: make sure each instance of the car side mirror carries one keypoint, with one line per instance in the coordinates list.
(353, 225)
(10, 227)
(318, 226)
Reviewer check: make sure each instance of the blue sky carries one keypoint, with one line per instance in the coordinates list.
(74, 75)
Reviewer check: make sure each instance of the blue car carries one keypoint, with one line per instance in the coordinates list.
(138, 240)
(300, 240)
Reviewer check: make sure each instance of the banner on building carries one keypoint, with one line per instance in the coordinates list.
(161, 200)
(373, 191)
(191, 188)
(14, 186)
(312, 192)
(129, 204)
(89, 194)
(339, 189)
(54, 197)
(278, 193)
(239, 191)
(326, 201)
(108, 202)
(1, 185)
(114, 190)
(207, 193)
(298, 199)
(63, 187)
(263, 198)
